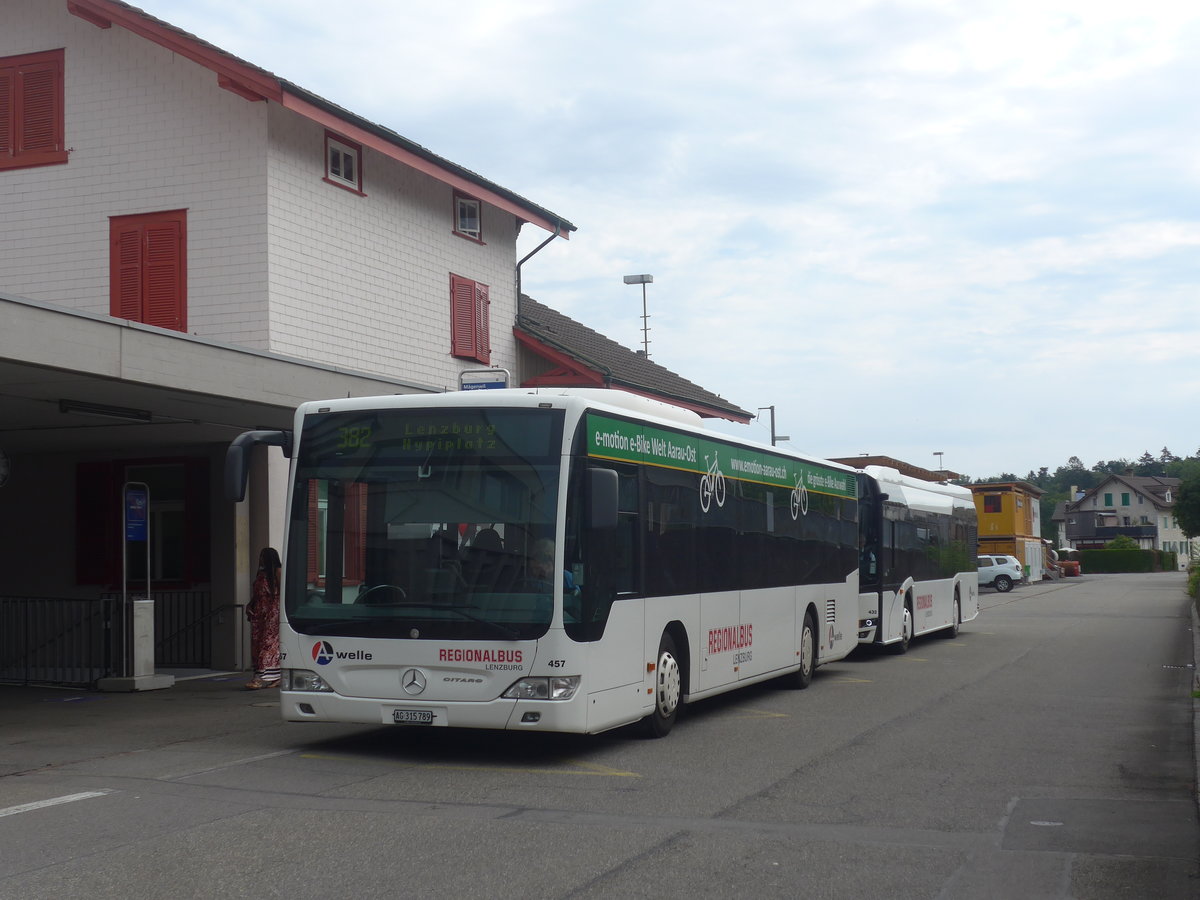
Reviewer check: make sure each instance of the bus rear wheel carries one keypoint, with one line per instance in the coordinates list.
(668, 691)
(956, 625)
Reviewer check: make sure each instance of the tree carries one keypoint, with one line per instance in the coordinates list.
(1147, 465)
(1167, 456)
(1121, 542)
(1187, 507)
(1112, 467)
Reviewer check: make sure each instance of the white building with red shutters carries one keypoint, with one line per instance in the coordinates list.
(189, 247)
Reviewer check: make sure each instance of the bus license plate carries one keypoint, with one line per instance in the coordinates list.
(412, 716)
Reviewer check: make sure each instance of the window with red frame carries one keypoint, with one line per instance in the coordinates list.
(148, 269)
(31, 110)
(469, 320)
(178, 521)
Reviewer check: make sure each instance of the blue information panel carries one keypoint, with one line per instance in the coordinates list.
(137, 509)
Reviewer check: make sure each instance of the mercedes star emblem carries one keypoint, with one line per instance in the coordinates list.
(413, 681)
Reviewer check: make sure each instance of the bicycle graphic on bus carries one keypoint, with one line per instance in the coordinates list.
(799, 498)
(712, 484)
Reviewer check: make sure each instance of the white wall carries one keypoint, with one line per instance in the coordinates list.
(364, 282)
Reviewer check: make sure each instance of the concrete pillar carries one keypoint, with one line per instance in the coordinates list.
(142, 654)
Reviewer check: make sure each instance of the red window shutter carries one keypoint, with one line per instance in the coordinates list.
(462, 317)
(7, 110)
(356, 531)
(164, 283)
(97, 517)
(196, 518)
(126, 276)
(148, 270)
(483, 341)
(31, 110)
(39, 108)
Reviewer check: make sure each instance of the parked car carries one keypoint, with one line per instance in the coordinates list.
(1000, 572)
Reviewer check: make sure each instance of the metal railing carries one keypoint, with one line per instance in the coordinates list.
(57, 641)
(53, 640)
(182, 631)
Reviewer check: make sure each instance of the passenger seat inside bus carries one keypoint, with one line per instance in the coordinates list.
(487, 567)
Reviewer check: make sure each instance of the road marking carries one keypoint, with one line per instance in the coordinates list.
(578, 768)
(229, 765)
(55, 801)
(762, 714)
(848, 680)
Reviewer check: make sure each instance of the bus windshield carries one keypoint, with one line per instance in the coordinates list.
(424, 523)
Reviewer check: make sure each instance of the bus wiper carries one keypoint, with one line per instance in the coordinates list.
(502, 629)
(459, 608)
(327, 626)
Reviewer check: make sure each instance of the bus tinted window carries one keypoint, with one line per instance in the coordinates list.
(688, 527)
(424, 522)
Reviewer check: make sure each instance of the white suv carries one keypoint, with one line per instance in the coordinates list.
(1001, 572)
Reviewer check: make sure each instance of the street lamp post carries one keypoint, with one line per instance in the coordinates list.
(643, 280)
(774, 437)
(939, 454)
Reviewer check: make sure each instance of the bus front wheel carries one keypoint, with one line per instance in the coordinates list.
(802, 677)
(906, 632)
(668, 690)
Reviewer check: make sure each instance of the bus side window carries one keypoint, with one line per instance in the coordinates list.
(604, 562)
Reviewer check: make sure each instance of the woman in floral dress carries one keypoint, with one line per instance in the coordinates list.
(263, 615)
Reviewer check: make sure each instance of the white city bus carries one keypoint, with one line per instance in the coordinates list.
(919, 572)
(554, 560)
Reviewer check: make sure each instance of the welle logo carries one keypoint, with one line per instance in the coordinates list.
(323, 653)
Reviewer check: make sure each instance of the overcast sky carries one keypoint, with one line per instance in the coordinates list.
(911, 226)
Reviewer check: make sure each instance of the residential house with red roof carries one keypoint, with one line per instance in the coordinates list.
(1139, 507)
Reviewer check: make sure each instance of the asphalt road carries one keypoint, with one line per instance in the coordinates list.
(1045, 752)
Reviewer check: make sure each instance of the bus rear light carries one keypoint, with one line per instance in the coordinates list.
(650, 667)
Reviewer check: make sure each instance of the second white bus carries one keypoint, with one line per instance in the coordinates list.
(919, 572)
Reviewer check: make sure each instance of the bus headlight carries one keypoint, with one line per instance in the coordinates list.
(555, 687)
(304, 680)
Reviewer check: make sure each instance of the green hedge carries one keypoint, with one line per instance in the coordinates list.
(1101, 562)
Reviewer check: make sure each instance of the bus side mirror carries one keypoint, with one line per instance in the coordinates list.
(602, 485)
(236, 471)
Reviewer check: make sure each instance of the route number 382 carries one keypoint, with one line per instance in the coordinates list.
(354, 438)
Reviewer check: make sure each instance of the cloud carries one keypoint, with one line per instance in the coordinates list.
(907, 224)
